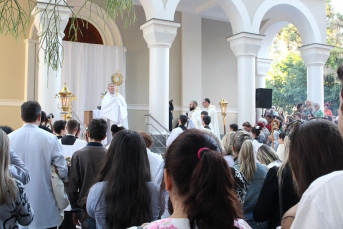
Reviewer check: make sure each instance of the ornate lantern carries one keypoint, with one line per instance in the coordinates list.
(66, 97)
(223, 105)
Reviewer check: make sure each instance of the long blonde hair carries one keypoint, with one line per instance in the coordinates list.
(227, 143)
(242, 145)
(266, 155)
(285, 159)
(7, 184)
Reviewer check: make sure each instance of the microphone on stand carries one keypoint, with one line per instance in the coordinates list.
(85, 128)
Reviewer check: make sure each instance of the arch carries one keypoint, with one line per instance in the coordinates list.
(270, 29)
(107, 27)
(302, 17)
(234, 9)
(157, 9)
(238, 15)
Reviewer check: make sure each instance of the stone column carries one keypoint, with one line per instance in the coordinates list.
(262, 68)
(245, 46)
(191, 60)
(315, 57)
(49, 81)
(159, 35)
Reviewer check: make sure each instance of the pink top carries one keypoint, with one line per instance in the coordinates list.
(183, 223)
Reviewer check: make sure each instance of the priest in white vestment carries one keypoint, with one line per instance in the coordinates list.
(195, 119)
(211, 109)
(114, 109)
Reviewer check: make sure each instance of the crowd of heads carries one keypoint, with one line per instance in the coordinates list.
(198, 178)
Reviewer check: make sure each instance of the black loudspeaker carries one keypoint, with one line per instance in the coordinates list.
(264, 98)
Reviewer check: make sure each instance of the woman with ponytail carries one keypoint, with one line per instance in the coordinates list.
(254, 172)
(200, 185)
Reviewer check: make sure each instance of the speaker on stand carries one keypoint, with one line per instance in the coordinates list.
(264, 98)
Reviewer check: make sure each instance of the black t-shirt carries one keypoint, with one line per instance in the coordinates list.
(45, 128)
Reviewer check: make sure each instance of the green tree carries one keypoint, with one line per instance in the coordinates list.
(288, 79)
(288, 76)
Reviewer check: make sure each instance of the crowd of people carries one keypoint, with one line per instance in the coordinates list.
(280, 172)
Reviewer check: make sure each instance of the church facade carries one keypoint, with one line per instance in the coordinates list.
(178, 49)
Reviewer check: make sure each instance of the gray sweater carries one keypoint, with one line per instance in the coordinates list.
(96, 204)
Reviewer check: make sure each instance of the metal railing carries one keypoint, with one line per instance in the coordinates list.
(158, 127)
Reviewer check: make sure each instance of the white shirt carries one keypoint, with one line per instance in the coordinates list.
(321, 205)
(281, 151)
(256, 145)
(155, 161)
(38, 149)
(173, 135)
(214, 120)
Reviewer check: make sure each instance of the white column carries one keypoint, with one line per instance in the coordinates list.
(262, 69)
(245, 46)
(159, 35)
(315, 57)
(191, 60)
(30, 69)
(49, 81)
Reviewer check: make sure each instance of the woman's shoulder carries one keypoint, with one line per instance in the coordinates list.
(168, 223)
(182, 223)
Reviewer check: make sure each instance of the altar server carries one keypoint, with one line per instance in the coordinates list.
(178, 130)
(211, 109)
(39, 149)
(70, 143)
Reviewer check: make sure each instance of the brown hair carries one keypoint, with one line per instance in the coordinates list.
(206, 184)
(147, 139)
(340, 77)
(72, 125)
(247, 124)
(316, 149)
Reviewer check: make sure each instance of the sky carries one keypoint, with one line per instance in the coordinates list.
(337, 5)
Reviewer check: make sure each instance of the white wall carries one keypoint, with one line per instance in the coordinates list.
(219, 67)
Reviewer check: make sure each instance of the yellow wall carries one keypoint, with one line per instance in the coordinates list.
(12, 77)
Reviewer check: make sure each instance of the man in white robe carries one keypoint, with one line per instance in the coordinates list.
(178, 130)
(114, 109)
(211, 109)
(38, 149)
(195, 119)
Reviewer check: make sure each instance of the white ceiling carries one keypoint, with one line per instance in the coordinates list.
(210, 10)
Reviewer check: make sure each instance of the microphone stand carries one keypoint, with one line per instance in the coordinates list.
(84, 127)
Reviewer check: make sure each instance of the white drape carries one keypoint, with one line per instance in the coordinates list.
(87, 70)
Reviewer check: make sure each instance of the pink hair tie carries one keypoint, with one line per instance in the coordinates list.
(200, 150)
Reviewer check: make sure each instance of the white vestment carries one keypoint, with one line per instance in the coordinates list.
(196, 119)
(214, 119)
(69, 150)
(114, 108)
(38, 149)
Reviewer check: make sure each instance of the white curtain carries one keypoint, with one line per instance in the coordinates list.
(87, 70)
